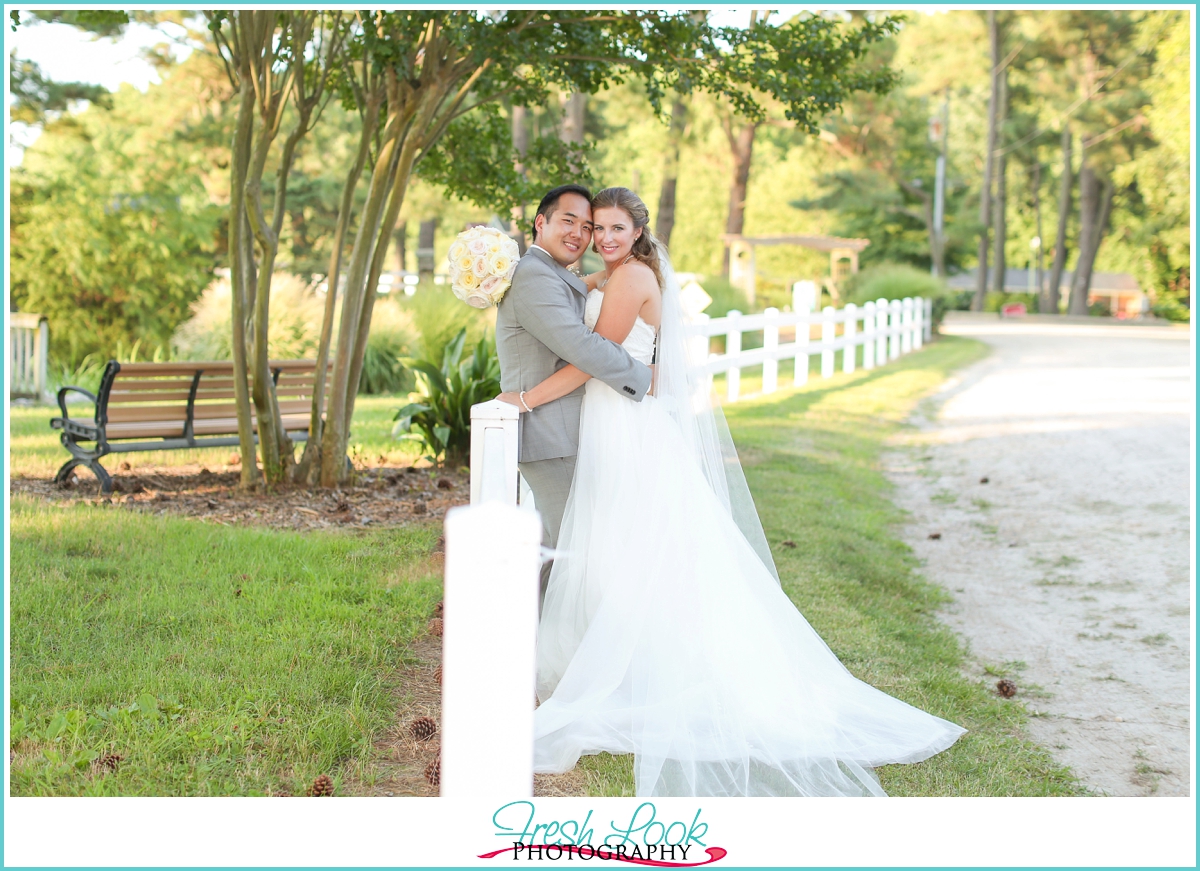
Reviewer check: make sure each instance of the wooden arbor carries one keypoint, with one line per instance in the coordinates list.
(743, 273)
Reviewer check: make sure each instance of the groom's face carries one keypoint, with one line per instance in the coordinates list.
(567, 230)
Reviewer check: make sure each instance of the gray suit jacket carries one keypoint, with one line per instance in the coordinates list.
(540, 329)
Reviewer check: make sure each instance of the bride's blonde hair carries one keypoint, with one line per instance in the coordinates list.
(645, 248)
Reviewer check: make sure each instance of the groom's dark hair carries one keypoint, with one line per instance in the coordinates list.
(550, 201)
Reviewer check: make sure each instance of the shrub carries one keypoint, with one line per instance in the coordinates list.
(441, 414)
(295, 332)
(725, 297)
(897, 281)
(438, 316)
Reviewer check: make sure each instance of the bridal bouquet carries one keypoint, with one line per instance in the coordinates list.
(482, 261)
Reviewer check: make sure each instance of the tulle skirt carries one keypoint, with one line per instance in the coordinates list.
(663, 635)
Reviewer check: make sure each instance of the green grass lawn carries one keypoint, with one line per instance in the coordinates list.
(216, 661)
(812, 459)
(130, 636)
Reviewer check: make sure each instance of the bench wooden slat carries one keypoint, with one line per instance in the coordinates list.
(122, 397)
(213, 411)
(219, 426)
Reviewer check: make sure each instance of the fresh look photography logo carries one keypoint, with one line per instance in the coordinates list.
(644, 839)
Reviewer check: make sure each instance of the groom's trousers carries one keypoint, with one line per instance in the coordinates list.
(550, 481)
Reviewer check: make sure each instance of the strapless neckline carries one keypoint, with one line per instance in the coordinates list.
(640, 341)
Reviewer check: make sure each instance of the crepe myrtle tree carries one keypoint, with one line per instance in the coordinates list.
(433, 87)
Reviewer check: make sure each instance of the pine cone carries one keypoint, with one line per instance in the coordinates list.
(1006, 688)
(322, 786)
(110, 761)
(435, 626)
(433, 771)
(437, 674)
(788, 543)
(445, 484)
(422, 728)
(439, 609)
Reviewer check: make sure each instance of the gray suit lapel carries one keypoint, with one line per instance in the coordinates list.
(576, 283)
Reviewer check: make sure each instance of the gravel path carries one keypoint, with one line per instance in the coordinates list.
(1070, 567)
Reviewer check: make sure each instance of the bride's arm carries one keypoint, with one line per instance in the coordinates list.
(624, 296)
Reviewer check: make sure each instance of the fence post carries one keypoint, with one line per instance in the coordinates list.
(494, 452)
(803, 294)
(869, 335)
(489, 651)
(827, 331)
(881, 331)
(848, 333)
(895, 314)
(906, 323)
(770, 346)
(929, 320)
(43, 361)
(918, 319)
(733, 347)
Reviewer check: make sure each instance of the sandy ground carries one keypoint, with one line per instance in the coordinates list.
(1070, 567)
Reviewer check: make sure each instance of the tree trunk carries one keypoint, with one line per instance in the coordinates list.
(242, 277)
(985, 205)
(402, 247)
(1095, 207)
(1000, 204)
(1041, 247)
(742, 148)
(309, 469)
(520, 138)
(1053, 289)
(665, 221)
(426, 262)
(574, 112)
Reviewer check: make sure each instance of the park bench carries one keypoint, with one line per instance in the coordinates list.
(172, 406)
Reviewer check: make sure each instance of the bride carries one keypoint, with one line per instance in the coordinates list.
(665, 632)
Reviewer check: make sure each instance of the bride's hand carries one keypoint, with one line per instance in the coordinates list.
(512, 398)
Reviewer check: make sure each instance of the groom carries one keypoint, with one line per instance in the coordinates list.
(540, 329)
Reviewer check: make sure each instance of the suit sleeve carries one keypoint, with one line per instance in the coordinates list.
(542, 310)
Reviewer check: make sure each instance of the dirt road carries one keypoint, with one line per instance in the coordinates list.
(1070, 567)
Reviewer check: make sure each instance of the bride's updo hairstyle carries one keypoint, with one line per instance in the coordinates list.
(645, 248)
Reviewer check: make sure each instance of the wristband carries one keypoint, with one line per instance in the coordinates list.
(524, 404)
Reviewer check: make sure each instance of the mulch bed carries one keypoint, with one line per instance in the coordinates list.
(377, 497)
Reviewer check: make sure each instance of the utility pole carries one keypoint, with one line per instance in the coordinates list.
(939, 187)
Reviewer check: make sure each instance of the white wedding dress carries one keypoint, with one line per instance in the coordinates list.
(664, 634)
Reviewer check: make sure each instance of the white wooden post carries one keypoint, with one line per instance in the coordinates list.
(29, 341)
(928, 320)
(869, 335)
(848, 333)
(881, 331)
(906, 324)
(489, 651)
(895, 311)
(918, 321)
(494, 452)
(827, 330)
(770, 345)
(803, 296)
(733, 347)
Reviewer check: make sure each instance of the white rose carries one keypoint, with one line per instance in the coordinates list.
(469, 281)
(478, 299)
(477, 246)
(480, 266)
(457, 250)
(499, 262)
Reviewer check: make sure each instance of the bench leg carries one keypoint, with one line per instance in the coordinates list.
(106, 481)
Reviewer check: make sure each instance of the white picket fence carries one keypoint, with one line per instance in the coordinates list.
(493, 547)
(28, 344)
(884, 330)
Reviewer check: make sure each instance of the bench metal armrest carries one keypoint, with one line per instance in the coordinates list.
(62, 399)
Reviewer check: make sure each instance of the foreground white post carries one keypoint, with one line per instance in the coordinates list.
(827, 329)
(489, 651)
(895, 312)
(771, 344)
(733, 347)
(869, 336)
(848, 333)
(803, 294)
(494, 452)
(881, 331)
